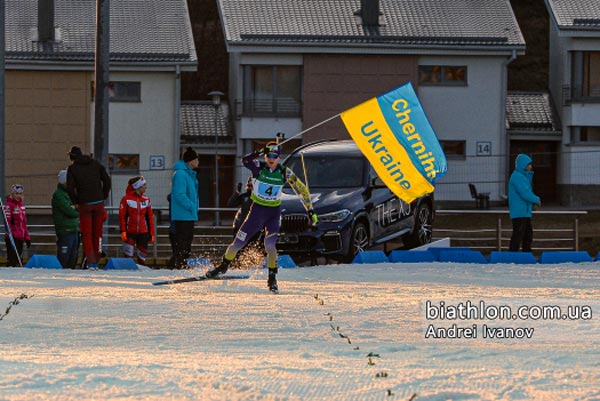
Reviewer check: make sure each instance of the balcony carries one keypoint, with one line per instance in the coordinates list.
(275, 107)
(580, 94)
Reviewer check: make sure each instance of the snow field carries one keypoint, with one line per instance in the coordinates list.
(111, 335)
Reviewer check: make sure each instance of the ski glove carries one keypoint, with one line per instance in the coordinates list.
(314, 219)
(28, 242)
(266, 150)
(151, 238)
(124, 236)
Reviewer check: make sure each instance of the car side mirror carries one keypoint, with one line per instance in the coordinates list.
(376, 183)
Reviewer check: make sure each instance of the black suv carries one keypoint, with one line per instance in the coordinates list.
(356, 210)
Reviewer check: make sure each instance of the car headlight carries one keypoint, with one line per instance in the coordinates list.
(334, 217)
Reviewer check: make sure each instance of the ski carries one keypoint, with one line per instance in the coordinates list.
(200, 278)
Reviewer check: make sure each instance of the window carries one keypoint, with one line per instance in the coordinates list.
(442, 75)
(124, 163)
(587, 134)
(454, 149)
(591, 74)
(272, 90)
(122, 91)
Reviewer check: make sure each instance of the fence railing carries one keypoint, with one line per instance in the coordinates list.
(492, 230)
(209, 240)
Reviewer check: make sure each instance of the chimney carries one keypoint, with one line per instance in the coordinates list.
(46, 20)
(369, 11)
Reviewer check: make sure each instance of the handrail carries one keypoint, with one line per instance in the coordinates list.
(500, 239)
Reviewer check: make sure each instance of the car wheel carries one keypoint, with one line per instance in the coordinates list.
(358, 241)
(423, 229)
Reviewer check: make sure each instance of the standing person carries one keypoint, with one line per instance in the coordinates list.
(66, 224)
(88, 184)
(242, 200)
(14, 211)
(521, 200)
(136, 219)
(184, 206)
(265, 212)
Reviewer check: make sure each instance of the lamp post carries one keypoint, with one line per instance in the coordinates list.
(216, 102)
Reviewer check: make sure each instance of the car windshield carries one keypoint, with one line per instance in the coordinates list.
(329, 171)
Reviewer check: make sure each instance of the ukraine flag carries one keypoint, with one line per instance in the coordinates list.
(394, 134)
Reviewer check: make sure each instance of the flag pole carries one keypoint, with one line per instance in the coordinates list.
(310, 128)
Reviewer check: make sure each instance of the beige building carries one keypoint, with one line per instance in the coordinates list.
(49, 80)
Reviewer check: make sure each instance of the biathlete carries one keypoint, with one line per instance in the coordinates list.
(269, 178)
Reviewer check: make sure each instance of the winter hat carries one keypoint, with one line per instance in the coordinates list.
(17, 189)
(137, 182)
(75, 152)
(274, 148)
(189, 155)
(62, 177)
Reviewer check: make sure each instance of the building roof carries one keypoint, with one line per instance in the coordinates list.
(575, 14)
(198, 123)
(141, 31)
(531, 112)
(403, 24)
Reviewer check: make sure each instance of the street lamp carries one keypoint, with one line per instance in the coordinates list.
(216, 102)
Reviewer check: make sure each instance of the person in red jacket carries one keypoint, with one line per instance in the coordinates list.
(14, 211)
(136, 219)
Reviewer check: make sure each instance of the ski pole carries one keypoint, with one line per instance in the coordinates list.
(310, 128)
(9, 233)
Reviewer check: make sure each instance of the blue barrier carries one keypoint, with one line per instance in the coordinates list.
(598, 257)
(370, 257)
(521, 258)
(283, 261)
(462, 256)
(121, 264)
(565, 257)
(437, 250)
(44, 261)
(411, 256)
(198, 262)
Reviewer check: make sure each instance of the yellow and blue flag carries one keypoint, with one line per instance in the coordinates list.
(394, 134)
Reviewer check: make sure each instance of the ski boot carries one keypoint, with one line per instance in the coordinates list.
(272, 281)
(220, 270)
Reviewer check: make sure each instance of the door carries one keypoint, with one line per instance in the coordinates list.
(544, 157)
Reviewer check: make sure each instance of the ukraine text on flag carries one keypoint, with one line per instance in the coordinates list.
(394, 134)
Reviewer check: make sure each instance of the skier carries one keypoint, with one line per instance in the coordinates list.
(269, 178)
(136, 219)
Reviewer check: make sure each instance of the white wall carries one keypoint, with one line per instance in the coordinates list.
(471, 113)
(145, 128)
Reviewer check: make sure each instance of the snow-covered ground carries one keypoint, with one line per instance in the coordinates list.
(111, 335)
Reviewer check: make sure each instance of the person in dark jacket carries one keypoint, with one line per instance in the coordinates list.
(521, 200)
(88, 184)
(243, 201)
(66, 224)
(184, 207)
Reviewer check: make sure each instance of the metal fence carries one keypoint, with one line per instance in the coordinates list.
(484, 230)
(490, 230)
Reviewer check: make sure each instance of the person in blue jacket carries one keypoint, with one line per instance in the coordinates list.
(521, 200)
(184, 207)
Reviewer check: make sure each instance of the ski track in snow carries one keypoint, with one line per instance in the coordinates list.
(111, 335)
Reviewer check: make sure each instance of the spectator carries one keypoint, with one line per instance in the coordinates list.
(243, 201)
(521, 200)
(136, 219)
(184, 207)
(88, 184)
(172, 238)
(66, 224)
(16, 218)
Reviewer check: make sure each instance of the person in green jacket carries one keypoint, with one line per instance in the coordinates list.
(66, 224)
